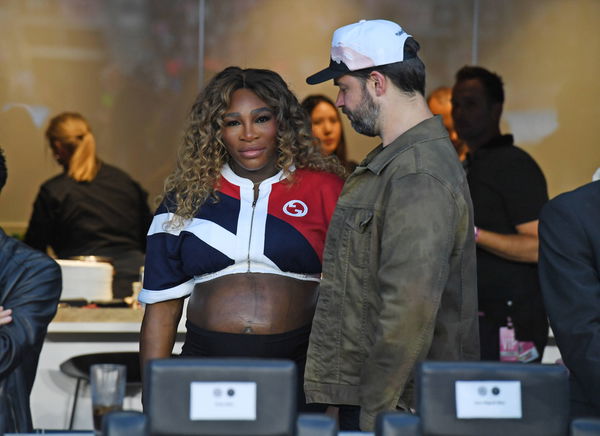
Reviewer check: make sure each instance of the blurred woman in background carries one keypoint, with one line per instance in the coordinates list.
(327, 127)
(92, 208)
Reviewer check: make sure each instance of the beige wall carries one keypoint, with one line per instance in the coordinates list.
(130, 68)
(550, 61)
(294, 37)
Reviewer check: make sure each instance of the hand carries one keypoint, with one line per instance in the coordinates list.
(333, 412)
(5, 316)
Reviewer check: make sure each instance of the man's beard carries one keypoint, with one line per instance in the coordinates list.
(364, 117)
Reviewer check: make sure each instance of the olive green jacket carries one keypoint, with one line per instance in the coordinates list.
(399, 277)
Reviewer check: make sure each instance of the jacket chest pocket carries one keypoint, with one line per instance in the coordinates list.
(359, 220)
(358, 225)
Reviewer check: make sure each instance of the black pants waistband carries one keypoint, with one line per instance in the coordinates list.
(290, 345)
(200, 342)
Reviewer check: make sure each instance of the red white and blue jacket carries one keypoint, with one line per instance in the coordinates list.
(282, 232)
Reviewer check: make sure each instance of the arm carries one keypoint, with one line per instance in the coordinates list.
(519, 186)
(31, 286)
(519, 247)
(417, 238)
(570, 282)
(159, 329)
(165, 287)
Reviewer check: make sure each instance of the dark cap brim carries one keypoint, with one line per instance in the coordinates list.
(333, 71)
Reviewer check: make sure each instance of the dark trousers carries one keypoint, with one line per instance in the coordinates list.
(289, 345)
(349, 418)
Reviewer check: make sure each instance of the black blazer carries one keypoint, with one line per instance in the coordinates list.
(569, 269)
(30, 285)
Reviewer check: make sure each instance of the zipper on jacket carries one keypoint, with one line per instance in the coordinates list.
(256, 194)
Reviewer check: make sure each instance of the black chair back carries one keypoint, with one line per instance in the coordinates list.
(220, 397)
(315, 424)
(585, 427)
(492, 399)
(124, 423)
(397, 424)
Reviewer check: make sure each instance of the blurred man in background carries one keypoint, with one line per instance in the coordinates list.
(508, 190)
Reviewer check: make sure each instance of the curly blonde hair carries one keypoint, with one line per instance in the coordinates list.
(202, 153)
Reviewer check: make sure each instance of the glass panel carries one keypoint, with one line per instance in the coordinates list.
(129, 66)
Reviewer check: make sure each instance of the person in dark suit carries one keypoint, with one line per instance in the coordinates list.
(30, 285)
(569, 269)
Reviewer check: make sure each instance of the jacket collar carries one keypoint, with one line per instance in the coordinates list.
(380, 157)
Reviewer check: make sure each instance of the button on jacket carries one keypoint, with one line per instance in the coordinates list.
(399, 277)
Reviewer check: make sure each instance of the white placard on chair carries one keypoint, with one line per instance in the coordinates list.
(494, 399)
(223, 401)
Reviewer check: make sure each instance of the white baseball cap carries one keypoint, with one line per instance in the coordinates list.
(368, 43)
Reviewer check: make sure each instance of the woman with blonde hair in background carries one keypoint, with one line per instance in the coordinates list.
(241, 227)
(92, 208)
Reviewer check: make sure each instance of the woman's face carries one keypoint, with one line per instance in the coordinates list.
(326, 126)
(249, 134)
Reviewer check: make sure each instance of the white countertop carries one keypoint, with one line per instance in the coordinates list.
(100, 320)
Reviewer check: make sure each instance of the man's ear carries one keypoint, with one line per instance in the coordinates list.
(380, 82)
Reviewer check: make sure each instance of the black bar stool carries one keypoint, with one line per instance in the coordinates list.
(79, 368)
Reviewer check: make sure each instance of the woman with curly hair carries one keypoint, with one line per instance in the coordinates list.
(241, 227)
